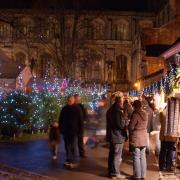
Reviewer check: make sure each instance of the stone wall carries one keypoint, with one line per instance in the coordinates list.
(100, 38)
(165, 31)
(154, 64)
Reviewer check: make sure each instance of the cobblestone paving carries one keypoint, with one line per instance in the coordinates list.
(35, 157)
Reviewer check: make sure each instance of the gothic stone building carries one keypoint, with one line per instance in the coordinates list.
(99, 46)
(158, 39)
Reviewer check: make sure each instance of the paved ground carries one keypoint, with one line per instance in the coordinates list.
(11, 173)
(35, 156)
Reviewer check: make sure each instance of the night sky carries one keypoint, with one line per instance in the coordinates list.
(123, 5)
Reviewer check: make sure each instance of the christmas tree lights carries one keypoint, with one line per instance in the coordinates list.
(36, 110)
(15, 110)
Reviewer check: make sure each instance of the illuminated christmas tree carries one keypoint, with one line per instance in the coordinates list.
(15, 112)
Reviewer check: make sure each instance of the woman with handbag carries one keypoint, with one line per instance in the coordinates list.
(138, 140)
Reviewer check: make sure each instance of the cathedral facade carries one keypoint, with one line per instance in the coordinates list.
(91, 46)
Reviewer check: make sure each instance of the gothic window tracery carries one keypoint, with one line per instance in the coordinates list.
(121, 64)
(97, 71)
(45, 63)
(120, 30)
(5, 30)
(98, 29)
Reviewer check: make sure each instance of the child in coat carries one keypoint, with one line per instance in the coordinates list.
(54, 138)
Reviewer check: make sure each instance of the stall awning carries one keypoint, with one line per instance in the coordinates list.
(173, 49)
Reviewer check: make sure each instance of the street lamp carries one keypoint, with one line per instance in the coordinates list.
(137, 85)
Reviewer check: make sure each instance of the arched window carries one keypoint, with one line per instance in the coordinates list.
(121, 64)
(5, 30)
(24, 28)
(121, 30)
(98, 29)
(97, 71)
(20, 58)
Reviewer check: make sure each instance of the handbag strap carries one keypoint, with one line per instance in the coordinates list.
(140, 115)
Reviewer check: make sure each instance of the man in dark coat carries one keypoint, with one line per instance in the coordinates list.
(115, 136)
(82, 110)
(70, 123)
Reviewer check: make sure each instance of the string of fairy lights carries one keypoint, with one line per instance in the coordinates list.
(37, 109)
(165, 84)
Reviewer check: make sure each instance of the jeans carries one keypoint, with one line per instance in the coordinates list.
(71, 147)
(81, 145)
(166, 155)
(139, 162)
(148, 147)
(157, 144)
(114, 160)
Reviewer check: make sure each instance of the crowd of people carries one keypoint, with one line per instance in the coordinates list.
(119, 125)
(121, 119)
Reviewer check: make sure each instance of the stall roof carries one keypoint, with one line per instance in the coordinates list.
(160, 72)
(173, 49)
(176, 42)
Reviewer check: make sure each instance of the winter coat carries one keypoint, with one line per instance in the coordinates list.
(167, 138)
(128, 109)
(156, 121)
(102, 110)
(70, 121)
(115, 128)
(83, 113)
(149, 111)
(138, 129)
